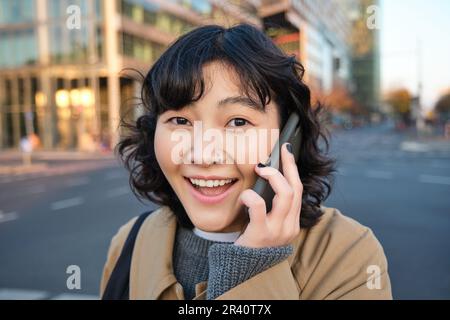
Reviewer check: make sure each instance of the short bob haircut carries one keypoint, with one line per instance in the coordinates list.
(265, 72)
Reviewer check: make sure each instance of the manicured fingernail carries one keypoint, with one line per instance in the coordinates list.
(289, 147)
(261, 165)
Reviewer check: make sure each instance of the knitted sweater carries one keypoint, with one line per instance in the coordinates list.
(223, 265)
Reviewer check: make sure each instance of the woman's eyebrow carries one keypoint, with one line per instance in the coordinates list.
(242, 100)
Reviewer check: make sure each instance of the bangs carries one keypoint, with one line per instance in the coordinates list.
(177, 78)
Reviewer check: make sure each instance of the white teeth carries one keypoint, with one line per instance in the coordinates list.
(209, 183)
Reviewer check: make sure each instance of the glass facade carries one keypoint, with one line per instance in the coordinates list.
(58, 8)
(19, 113)
(18, 47)
(17, 11)
(202, 7)
(67, 102)
(147, 13)
(69, 46)
(141, 49)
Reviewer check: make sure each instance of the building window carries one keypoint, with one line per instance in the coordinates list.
(140, 49)
(148, 13)
(58, 8)
(68, 46)
(17, 11)
(18, 48)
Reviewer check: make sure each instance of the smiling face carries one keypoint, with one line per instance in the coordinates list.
(208, 190)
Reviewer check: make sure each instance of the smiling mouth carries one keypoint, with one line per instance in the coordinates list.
(211, 188)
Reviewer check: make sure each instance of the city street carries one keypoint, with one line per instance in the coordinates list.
(404, 197)
(51, 221)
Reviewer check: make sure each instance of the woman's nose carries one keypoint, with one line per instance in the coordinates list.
(205, 156)
(206, 151)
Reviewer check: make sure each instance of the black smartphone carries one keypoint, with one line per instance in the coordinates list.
(290, 133)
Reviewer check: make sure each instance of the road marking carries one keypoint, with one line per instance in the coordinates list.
(376, 174)
(118, 192)
(426, 178)
(74, 296)
(414, 146)
(5, 217)
(22, 294)
(79, 181)
(30, 294)
(67, 203)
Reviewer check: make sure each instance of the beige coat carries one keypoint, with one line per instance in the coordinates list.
(332, 260)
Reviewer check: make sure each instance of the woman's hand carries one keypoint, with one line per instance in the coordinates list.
(282, 224)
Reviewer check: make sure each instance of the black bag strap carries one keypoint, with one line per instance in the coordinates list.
(118, 287)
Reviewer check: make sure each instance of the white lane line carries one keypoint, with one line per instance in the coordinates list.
(9, 216)
(74, 296)
(21, 294)
(414, 146)
(114, 175)
(376, 174)
(118, 192)
(31, 294)
(426, 178)
(79, 181)
(67, 203)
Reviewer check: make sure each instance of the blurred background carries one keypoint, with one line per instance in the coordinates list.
(382, 68)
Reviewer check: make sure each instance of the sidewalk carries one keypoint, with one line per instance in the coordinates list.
(14, 155)
(11, 161)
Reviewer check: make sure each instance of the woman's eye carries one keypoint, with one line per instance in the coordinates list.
(238, 122)
(179, 121)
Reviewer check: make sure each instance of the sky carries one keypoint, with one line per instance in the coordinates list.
(407, 25)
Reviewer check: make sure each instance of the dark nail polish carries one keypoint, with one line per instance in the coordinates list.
(261, 165)
(289, 147)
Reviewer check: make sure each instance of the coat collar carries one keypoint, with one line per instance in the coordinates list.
(152, 267)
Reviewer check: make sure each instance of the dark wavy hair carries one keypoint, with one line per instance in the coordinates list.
(265, 72)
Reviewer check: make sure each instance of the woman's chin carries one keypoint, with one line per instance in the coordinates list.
(213, 222)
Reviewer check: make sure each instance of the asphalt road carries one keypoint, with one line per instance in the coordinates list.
(404, 197)
(48, 223)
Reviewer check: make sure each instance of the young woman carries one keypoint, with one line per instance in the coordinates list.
(212, 237)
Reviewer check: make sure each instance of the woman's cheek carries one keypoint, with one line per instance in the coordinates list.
(163, 147)
(249, 175)
(157, 144)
